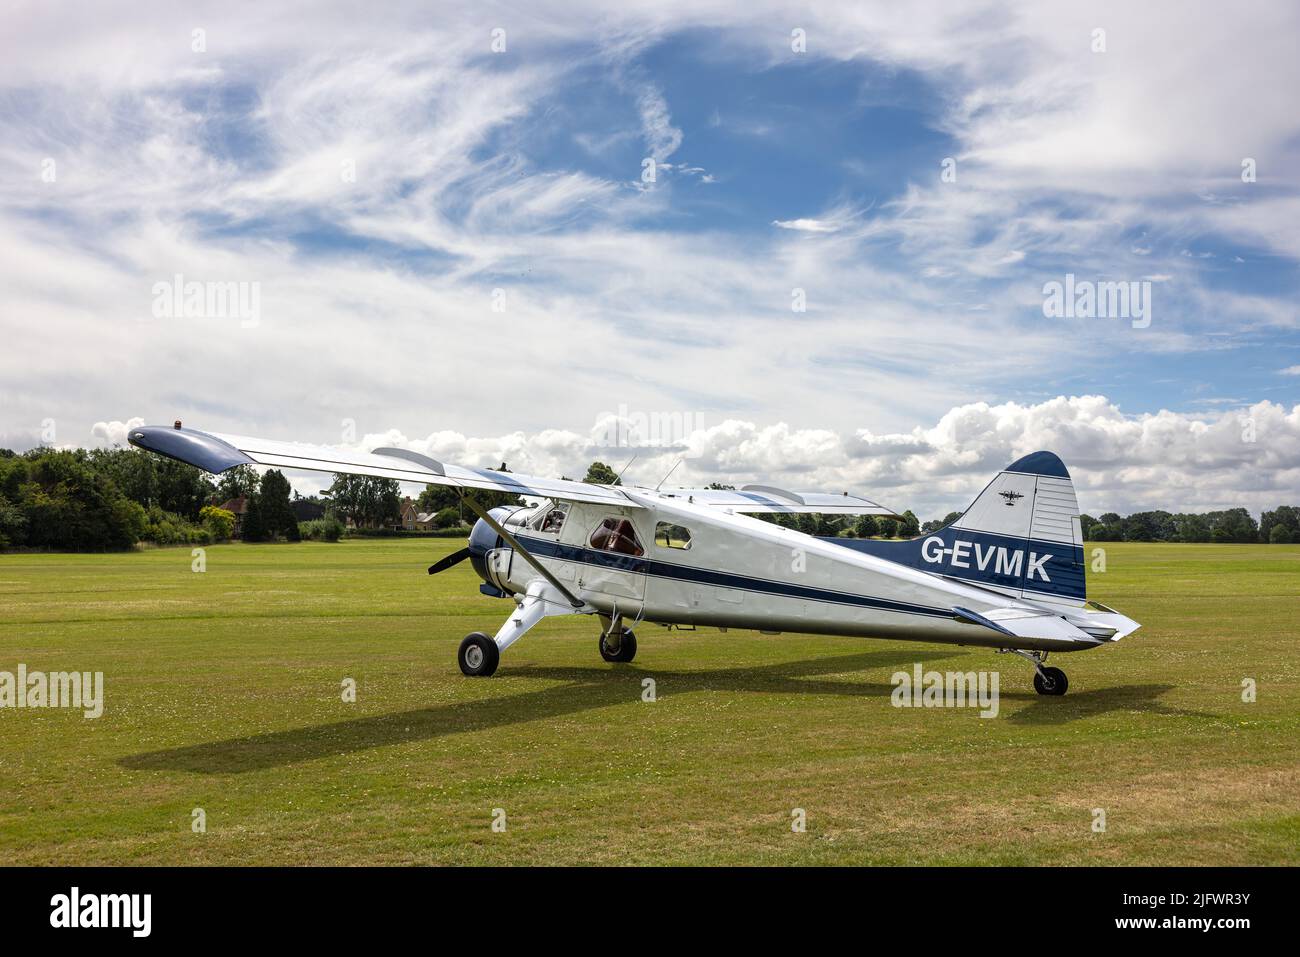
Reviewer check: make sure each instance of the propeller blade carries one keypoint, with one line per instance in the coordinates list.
(442, 564)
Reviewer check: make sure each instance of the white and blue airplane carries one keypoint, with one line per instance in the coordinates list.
(1007, 575)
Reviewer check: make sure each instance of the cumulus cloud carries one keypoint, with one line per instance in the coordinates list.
(1176, 461)
(113, 434)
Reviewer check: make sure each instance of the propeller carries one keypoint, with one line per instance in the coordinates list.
(442, 564)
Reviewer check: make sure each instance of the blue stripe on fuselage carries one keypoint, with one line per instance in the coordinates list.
(705, 576)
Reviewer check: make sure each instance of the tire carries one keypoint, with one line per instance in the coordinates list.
(478, 656)
(1051, 681)
(626, 648)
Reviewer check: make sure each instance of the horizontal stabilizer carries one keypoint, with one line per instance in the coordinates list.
(1026, 622)
(975, 618)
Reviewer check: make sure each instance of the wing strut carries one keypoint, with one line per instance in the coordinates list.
(514, 543)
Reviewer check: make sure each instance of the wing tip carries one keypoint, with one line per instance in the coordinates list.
(189, 446)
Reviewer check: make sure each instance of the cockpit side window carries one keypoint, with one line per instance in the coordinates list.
(668, 535)
(616, 535)
(551, 517)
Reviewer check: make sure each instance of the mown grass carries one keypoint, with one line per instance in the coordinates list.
(223, 693)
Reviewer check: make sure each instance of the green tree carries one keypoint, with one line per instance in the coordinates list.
(1287, 516)
(1192, 528)
(598, 473)
(254, 529)
(937, 523)
(180, 488)
(1280, 535)
(435, 498)
(1154, 526)
(866, 526)
(219, 522)
(1234, 525)
(67, 504)
(155, 481)
(13, 523)
(240, 482)
(909, 526)
(827, 526)
(367, 500)
(276, 512)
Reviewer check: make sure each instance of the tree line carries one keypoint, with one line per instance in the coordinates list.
(1280, 526)
(103, 499)
(107, 499)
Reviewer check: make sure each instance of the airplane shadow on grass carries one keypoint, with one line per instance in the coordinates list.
(586, 689)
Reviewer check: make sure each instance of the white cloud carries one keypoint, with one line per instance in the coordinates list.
(113, 434)
(1248, 456)
(661, 137)
(807, 225)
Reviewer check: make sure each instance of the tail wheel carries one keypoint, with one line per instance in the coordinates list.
(626, 648)
(478, 655)
(1050, 681)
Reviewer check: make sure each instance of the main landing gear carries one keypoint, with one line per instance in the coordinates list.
(623, 650)
(1047, 681)
(479, 654)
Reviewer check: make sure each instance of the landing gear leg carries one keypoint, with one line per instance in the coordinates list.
(479, 655)
(1047, 681)
(617, 644)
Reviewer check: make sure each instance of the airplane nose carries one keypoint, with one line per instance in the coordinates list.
(482, 539)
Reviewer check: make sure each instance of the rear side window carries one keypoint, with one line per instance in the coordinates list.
(616, 535)
(668, 535)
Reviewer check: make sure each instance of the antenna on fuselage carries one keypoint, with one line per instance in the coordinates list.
(619, 477)
(670, 472)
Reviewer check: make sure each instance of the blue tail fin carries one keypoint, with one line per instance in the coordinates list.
(1020, 536)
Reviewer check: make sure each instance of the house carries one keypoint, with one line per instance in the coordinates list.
(239, 508)
(412, 519)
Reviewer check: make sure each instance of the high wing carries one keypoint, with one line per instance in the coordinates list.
(217, 453)
(763, 499)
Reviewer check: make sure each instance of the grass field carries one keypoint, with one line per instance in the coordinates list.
(223, 693)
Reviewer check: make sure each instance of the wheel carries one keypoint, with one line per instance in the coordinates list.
(1050, 681)
(478, 655)
(626, 648)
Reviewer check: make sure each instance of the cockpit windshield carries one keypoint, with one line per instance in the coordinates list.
(550, 517)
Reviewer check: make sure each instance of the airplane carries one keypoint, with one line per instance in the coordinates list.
(1007, 575)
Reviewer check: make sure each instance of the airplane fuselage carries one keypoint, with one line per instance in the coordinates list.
(699, 566)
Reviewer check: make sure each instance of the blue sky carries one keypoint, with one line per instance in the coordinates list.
(495, 277)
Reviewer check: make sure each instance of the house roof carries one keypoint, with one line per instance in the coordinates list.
(237, 505)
